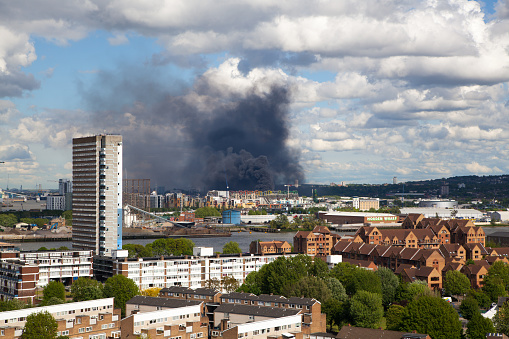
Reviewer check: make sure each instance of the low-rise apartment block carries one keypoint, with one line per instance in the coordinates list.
(164, 318)
(22, 272)
(85, 319)
(185, 271)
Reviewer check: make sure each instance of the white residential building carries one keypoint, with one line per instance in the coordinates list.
(185, 271)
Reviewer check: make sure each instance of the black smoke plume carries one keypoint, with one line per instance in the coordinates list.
(201, 139)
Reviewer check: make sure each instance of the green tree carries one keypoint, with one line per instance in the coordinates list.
(389, 282)
(11, 305)
(364, 280)
(433, 316)
(343, 272)
(394, 317)
(203, 212)
(501, 319)
(280, 222)
(171, 246)
(40, 325)
(231, 247)
(252, 284)
(8, 220)
(469, 307)
(416, 289)
(83, 289)
(336, 288)
(494, 288)
(309, 287)
(54, 289)
(479, 326)
(366, 309)
(499, 272)
(122, 289)
(482, 298)
(456, 283)
(319, 268)
(67, 215)
(137, 251)
(334, 311)
(274, 277)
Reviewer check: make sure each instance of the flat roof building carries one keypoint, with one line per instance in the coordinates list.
(97, 193)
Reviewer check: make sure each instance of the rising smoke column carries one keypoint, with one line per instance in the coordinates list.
(245, 140)
(199, 138)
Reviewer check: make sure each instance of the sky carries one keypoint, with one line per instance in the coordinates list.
(372, 89)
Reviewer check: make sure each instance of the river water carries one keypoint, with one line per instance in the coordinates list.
(242, 238)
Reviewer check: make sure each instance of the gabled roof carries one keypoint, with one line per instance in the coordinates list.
(452, 266)
(471, 246)
(408, 253)
(403, 267)
(321, 229)
(474, 269)
(341, 245)
(425, 271)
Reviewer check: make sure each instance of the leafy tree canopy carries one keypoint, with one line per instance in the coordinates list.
(364, 280)
(86, 289)
(366, 309)
(40, 325)
(309, 287)
(122, 289)
(456, 283)
(170, 246)
(469, 307)
(389, 282)
(8, 220)
(433, 316)
(394, 317)
(479, 326)
(501, 319)
(231, 247)
(54, 289)
(336, 288)
(137, 251)
(203, 212)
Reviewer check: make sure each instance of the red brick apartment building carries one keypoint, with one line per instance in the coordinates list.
(270, 247)
(318, 242)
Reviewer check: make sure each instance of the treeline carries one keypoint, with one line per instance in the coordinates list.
(166, 247)
(11, 218)
(364, 298)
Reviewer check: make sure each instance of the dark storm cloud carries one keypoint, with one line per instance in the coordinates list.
(15, 83)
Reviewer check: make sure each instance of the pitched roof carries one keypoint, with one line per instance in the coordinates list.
(359, 263)
(402, 267)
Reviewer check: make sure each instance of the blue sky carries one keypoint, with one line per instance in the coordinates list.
(413, 89)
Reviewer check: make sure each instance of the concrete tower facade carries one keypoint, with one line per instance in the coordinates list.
(97, 193)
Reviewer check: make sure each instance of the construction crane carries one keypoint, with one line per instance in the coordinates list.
(296, 185)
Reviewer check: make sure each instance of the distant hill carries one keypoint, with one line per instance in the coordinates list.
(463, 188)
